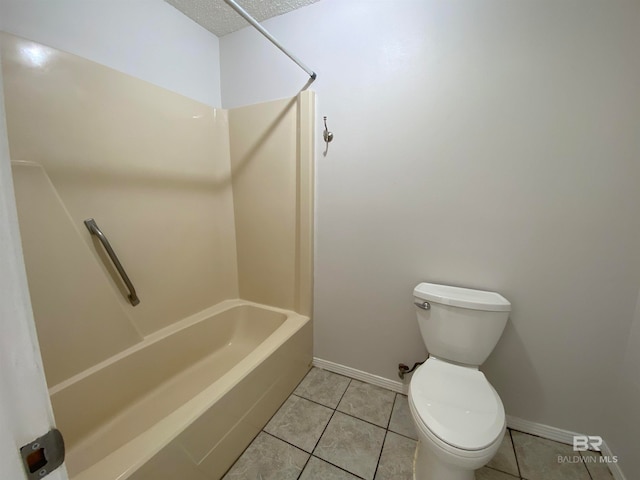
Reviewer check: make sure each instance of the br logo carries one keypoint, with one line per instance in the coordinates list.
(582, 443)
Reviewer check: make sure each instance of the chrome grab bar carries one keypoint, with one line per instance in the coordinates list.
(93, 228)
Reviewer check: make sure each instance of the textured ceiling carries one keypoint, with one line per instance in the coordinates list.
(220, 19)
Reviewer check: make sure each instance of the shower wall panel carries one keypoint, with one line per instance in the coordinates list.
(150, 166)
(67, 283)
(272, 191)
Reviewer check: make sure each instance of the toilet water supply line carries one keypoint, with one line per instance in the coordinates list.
(404, 369)
(244, 14)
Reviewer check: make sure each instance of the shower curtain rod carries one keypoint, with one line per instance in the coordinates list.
(270, 37)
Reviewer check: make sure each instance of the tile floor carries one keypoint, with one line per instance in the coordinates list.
(337, 428)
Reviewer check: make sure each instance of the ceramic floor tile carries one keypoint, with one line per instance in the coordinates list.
(505, 459)
(355, 448)
(401, 420)
(368, 402)
(351, 444)
(323, 387)
(396, 461)
(268, 458)
(299, 422)
(318, 469)
(486, 473)
(596, 467)
(538, 459)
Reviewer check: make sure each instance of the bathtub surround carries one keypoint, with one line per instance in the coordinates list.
(492, 144)
(184, 192)
(272, 200)
(111, 154)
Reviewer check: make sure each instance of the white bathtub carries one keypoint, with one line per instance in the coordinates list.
(185, 402)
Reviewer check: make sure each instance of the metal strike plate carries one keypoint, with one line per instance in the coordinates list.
(43, 455)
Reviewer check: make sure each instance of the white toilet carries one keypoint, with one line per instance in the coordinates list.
(458, 415)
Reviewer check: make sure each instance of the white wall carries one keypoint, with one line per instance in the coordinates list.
(25, 410)
(487, 144)
(148, 39)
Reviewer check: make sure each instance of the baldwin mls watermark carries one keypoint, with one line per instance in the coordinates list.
(583, 443)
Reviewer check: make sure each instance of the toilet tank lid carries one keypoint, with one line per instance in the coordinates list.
(462, 297)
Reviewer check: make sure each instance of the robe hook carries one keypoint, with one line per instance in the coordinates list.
(327, 135)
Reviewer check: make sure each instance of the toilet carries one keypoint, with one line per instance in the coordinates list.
(458, 415)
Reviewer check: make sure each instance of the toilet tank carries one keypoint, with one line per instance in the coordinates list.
(459, 324)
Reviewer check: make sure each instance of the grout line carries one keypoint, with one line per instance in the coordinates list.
(363, 420)
(310, 455)
(322, 434)
(303, 467)
(338, 467)
(503, 472)
(395, 398)
(335, 409)
(515, 453)
(386, 432)
(285, 441)
(262, 430)
(585, 466)
(330, 418)
(403, 436)
(325, 429)
(314, 401)
(386, 429)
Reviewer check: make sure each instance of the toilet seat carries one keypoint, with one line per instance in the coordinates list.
(457, 404)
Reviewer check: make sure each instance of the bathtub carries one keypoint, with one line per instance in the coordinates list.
(187, 400)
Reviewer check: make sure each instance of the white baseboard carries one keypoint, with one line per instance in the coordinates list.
(541, 430)
(616, 471)
(562, 436)
(526, 426)
(393, 385)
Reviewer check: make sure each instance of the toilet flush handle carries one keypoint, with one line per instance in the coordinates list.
(423, 305)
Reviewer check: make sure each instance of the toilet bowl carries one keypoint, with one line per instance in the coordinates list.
(459, 417)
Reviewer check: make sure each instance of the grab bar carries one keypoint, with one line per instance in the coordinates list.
(93, 228)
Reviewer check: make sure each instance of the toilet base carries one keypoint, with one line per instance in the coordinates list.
(427, 466)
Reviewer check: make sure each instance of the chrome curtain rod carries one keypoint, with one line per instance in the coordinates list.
(270, 37)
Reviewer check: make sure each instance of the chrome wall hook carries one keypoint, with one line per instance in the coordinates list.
(327, 135)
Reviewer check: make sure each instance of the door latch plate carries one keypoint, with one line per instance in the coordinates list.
(43, 455)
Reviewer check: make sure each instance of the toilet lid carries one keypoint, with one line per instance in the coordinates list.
(457, 404)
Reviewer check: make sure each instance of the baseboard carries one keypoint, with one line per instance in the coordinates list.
(393, 385)
(541, 430)
(526, 426)
(562, 436)
(615, 469)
